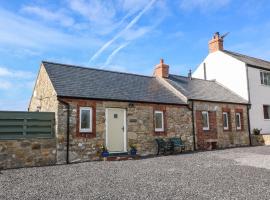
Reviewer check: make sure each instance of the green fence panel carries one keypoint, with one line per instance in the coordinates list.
(20, 125)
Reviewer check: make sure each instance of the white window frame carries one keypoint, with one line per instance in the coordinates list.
(162, 121)
(238, 115)
(86, 130)
(263, 78)
(208, 126)
(227, 119)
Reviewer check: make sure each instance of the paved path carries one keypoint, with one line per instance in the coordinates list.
(240, 173)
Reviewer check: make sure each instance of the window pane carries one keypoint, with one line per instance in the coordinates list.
(158, 120)
(225, 120)
(85, 119)
(238, 120)
(268, 78)
(261, 74)
(266, 112)
(205, 119)
(265, 78)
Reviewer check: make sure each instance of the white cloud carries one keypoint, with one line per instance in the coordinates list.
(19, 32)
(7, 73)
(48, 15)
(119, 34)
(5, 85)
(110, 57)
(133, 5)
(94, 10)
(203, 5)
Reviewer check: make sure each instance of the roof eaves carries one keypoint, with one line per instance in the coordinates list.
(123, 100)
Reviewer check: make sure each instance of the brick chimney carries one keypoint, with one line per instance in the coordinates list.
(161, 70)
(216, 43)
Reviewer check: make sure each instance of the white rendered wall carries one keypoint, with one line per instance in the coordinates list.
(259, 96)
(227, 70)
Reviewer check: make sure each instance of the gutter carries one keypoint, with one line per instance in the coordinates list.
(249, 131)
(68, 131)
(193, 127)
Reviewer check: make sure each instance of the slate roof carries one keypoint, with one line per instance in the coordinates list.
(249, 60)
(81, 82)
(199, 89)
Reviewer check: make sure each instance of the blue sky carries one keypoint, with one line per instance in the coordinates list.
(121, 35)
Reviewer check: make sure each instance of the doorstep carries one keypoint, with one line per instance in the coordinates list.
(120, 157)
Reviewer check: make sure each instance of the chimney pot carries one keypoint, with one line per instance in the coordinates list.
(161, 61)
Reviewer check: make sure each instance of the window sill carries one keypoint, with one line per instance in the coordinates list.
(160, 133)
(204, 129)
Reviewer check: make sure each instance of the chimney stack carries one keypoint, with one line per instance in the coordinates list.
(216, 43)
(161, 70)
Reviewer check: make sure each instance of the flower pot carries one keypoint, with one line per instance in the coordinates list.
(133, 152)
(105, 154)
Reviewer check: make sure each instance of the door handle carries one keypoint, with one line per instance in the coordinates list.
(123, 128)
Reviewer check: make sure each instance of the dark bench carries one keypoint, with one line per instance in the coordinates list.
(177, 143)
(163, 146)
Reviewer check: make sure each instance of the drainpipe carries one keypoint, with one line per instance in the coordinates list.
(249, 131)
(193, 127)
(204, 71)
(67, 133)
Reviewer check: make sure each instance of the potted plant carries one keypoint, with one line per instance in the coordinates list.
(104, 151)
(133, 150)
(257, 131)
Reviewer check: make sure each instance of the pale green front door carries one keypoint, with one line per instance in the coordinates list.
(115, 129)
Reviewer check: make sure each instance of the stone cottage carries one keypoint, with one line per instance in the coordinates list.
(98, 107)
(220, 116)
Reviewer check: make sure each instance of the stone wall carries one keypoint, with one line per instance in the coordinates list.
(140, 128)
(262, 139)
(225, 138)
(44, 96)
(27, 153)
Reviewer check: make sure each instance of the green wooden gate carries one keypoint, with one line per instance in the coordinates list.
(19, 125)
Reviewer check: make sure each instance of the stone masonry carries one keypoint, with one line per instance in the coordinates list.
(224, 138)
(140, 128)
(27, 153)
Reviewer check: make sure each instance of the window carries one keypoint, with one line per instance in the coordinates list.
(85, 119)
(266, 111)
(225, 121)
(265, 78)
(205, 120)
(159, 121)
(238, 121)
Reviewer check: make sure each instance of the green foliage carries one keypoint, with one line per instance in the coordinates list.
(257, 131)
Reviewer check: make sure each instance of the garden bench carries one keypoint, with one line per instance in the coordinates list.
(177, 143)
(163, 145)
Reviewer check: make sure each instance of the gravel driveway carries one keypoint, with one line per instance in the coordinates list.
(240, 173)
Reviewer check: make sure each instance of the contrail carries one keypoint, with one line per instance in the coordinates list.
(133, 21)
(109, 59)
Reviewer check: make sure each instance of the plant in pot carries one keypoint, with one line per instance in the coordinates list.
(104, 151)
(133, 150)
(257, 131)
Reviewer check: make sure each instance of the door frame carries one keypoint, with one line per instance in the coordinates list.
(125, 127)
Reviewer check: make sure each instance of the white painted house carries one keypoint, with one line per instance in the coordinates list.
(247, 76)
